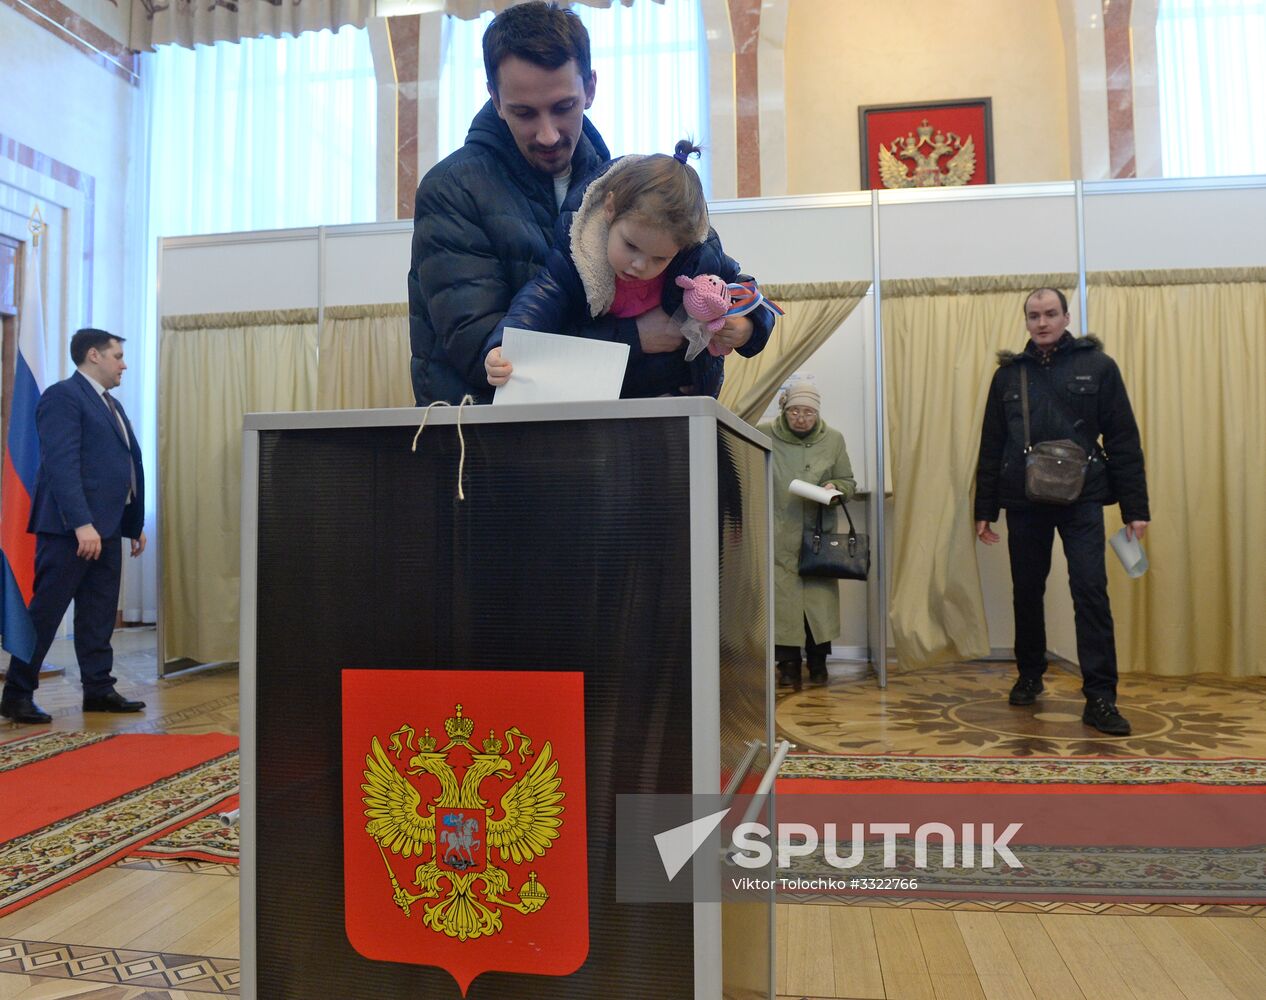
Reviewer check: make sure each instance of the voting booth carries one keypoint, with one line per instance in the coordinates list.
(460, 642)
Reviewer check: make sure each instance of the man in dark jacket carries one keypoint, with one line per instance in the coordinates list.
(483, 219)
(1075, 392)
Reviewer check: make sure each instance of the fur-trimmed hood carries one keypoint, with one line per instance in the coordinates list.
(1089, 342)
(589, 232)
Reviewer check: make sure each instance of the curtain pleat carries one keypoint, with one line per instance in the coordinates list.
(209, 378)
(364, 358)
(1192, 350)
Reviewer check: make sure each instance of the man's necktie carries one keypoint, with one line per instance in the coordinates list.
(122, 429)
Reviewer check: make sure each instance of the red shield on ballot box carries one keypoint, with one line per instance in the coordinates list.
(464, 842)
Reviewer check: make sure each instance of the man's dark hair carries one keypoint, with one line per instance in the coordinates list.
(540, 33)
(86, 339)
(1063, 301)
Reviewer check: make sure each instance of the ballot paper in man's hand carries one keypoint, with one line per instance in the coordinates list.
(549, 368)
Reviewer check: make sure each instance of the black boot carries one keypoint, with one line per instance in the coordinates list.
(817, 664)
(789, 675)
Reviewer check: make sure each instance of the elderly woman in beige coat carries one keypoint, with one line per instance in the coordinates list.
(806, 609)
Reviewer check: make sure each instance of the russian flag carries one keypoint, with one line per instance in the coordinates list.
(21, 462)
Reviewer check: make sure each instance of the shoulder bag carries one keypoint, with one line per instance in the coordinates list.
(1054, 471)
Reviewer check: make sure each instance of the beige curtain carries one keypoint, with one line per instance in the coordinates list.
(162, 22)
(940, 338)
(814, 311)
(1191, 346)
(213, 370)
(364, 358)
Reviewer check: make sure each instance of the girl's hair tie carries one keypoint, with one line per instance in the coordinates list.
(680, 156)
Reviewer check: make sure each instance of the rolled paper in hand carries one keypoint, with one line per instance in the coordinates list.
(1130, 551)
(818, 494)
(229, 818)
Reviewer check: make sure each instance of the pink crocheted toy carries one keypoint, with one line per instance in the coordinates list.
(706, 300)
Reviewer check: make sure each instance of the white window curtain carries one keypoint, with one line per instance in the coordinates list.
(1211, 65)
(267, 133)
(651, 62)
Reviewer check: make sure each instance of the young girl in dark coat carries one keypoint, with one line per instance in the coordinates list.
(642, 222)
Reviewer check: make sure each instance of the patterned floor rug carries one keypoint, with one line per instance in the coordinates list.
(1138, 830)
(76, 802)
(207, 838)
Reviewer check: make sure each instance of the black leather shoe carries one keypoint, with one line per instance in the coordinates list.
(112, 702)
(1102, 715)
(1026, 690)
(789, 675)
(24, 709)
(818, 676)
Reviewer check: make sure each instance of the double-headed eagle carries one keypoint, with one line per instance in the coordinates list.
(927, 165)
(527, 826)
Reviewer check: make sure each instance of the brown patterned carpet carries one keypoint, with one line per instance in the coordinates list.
(962, 708)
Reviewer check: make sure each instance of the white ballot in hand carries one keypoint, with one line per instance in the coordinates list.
(1130, 552)
(820, 494)
(549, 368)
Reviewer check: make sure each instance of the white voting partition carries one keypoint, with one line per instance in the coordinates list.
(1153, 225)
(365, 264)
(782, 240)
(861, 236)
(238, 272)
(962, 232)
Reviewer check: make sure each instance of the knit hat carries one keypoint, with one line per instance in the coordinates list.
(802, 392)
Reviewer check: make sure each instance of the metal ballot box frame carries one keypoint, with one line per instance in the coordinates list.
(624, 545)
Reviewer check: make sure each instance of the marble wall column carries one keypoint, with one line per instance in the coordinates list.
(746, 96)
(1147, 127)
(745, 29)
(1119, 85)
(772, 81)
(404, 32)
(1113, 96)
(407, 50)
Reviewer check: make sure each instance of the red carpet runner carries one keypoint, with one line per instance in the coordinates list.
(73, 803)
(1123, 830)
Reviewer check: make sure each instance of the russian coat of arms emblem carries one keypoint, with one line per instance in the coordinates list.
(933, 158)
(465, 819)
(460, 889)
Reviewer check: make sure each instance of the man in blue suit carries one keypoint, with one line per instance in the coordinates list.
(89, 495)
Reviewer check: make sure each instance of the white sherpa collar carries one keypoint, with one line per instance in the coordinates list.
(589, 232)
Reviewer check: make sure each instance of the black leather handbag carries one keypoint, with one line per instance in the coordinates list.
(837, 555)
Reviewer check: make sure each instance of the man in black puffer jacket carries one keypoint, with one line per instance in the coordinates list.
(483, 219)
(1075, 392)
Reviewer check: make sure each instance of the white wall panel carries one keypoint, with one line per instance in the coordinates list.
(786, 240)
(367, 264)
(940, 233)
(244, 272)
(1158, 229)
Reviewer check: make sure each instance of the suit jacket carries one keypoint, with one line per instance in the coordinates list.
(85, 465)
